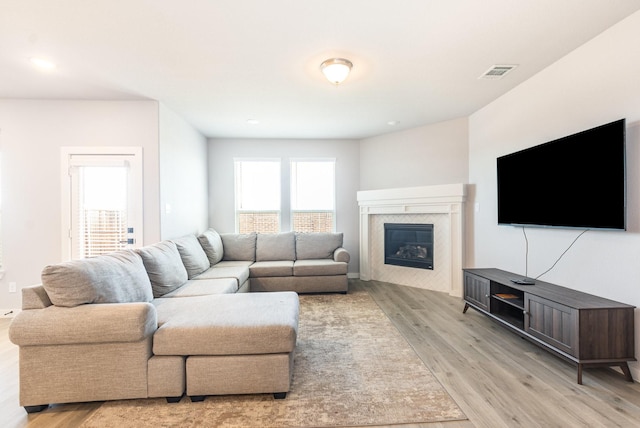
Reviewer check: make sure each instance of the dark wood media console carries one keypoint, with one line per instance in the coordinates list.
(588, 330)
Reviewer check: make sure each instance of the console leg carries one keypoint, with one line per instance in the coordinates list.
(197, 398)
(35, 409)
(625, 370)
(279, 395)
(466, 306)
(579, 374)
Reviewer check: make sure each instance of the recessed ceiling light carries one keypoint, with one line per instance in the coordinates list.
(393, 122)
(42, 63)
(253, 121)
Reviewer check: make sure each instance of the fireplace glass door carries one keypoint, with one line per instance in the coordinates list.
(409, 245)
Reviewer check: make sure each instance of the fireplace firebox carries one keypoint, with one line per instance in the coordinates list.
(409, 245)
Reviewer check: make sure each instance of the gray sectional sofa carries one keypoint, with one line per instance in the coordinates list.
(172, 318)
(301, 262)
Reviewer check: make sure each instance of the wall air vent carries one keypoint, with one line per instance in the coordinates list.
(497, 71)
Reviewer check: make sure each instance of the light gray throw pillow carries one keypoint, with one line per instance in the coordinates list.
(239, 246)
(117, 277)
(317, 245)
(212, 245)
(193, 257)
(164, 267)
(276, 246)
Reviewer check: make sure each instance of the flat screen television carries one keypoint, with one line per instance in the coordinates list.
(578, 181)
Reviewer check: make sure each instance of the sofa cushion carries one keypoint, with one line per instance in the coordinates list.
(271, 268)
(319, 267)
(35, 297)
(239, 246)
(234, 263)
(317, 245)
(227, 324)
(193, 257)
(164, 267)
(205, 287)
(212, 245)
(276, 246)
(117, 277)
(238, 272)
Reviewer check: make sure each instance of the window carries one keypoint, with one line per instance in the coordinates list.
(309, 206)
(313, 195)
(257, 195)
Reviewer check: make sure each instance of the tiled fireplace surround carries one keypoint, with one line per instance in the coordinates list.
(442, 206)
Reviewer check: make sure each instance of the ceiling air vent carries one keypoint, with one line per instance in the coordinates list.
(497, 71)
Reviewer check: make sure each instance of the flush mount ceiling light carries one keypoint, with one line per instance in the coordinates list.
(336, 70)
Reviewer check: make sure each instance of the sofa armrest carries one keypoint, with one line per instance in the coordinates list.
(341, 255)
(94, 323)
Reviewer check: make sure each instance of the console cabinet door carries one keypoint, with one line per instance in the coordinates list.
(476, 290)
(552, 322)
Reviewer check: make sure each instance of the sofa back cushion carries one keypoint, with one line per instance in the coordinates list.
(36, 297)
(212, 245)
(276, 246)
(117, 277)
(317, 245)
(238, 246)
(193, 257)
(164, 267)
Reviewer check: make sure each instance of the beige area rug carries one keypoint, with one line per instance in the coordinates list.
(352, 367)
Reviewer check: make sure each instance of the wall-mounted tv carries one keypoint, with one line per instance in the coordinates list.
(578, 181)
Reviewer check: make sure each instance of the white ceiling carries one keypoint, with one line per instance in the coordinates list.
(218, 63)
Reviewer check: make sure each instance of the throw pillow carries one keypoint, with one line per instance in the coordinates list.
(212, 245)
(238, 246)
(164, 267)
(117, 277)
(276, 246)
(317, 245)
(193, 257)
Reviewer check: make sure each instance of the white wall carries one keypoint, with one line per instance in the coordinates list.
(31, 134)
(183, 177)
(428, 155)
(595, 84)
(346, 152)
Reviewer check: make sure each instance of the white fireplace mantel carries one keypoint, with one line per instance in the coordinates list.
(446, 199)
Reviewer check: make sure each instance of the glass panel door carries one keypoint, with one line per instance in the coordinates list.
(104, 201)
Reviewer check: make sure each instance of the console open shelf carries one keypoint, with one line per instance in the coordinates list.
(511, 301)
(582, 328)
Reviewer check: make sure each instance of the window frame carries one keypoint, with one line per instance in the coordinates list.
(237, 194)
(293, 186)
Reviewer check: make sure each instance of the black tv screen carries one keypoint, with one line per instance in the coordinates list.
(577, 181)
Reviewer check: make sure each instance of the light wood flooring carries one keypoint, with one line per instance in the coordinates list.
(497, 378)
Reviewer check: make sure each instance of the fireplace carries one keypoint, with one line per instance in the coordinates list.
(409, 245)
(441, 205)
